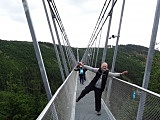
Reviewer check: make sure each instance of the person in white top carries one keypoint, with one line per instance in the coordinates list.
(98, 83)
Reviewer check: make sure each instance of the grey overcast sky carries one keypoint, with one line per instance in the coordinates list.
(79, 18)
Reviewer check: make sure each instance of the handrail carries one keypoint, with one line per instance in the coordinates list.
(121, 103)
(62, 101)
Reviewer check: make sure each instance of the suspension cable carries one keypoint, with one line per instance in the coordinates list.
(92, 40)
(109, 14)
(99, 20)
(59, 22)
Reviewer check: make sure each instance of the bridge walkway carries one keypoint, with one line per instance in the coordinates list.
(85, 108)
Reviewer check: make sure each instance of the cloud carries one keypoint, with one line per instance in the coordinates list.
(11, 9)
(79, 18)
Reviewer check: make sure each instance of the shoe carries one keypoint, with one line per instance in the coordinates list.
(98, 112)
(77, 100)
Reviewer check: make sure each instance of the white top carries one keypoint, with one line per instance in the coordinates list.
(99, 82)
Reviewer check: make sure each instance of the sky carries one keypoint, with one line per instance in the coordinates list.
(79, 18)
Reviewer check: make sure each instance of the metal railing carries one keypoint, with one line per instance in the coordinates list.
(130, 102)
(123, 102)
(62, 104)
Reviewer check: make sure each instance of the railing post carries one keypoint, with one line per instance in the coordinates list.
(149, 61)
(115, 52)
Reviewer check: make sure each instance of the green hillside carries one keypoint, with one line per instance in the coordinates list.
(22, 93)
(132, 58)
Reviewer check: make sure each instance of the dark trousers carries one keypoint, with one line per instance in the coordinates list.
(84, 77)
(98, 94)
(81, 78)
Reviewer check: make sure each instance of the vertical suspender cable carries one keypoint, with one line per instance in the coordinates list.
(78, 54)
(60, 47)
(95, 34)
(63, 31)
(116, 48)
(115, 51)
(85, 56)
(55, 47)
(37, 51)
(94, 50)
(99, 21)
(67, 54)
(149, 61)
(98, 49)
(108, 31)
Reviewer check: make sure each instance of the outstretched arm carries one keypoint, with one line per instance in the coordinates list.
(89, 68)
(110, 74)
(76, 67)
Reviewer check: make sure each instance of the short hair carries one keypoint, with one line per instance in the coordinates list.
(104, 63)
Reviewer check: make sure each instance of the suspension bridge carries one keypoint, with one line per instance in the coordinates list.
(121, 100)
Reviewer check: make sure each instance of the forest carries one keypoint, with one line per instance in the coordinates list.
(22, 93)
